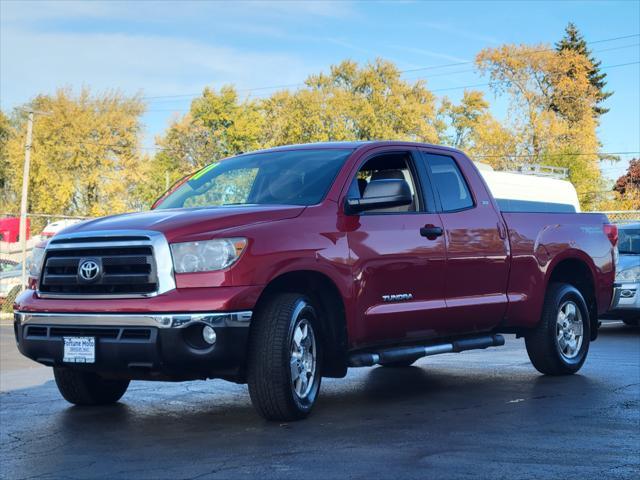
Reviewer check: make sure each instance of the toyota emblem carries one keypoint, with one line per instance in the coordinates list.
(89, 270)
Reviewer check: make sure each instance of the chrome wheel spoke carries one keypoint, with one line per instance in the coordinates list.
(295, 369)
(304, 381)
(563, 343)
(297, 337)
(303, 358)
(577, 328)
(569, 330)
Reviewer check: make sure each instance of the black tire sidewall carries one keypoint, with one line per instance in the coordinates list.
(304, 305)
(570, 293)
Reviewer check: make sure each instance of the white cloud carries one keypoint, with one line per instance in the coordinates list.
(31, 11)
(34, 62)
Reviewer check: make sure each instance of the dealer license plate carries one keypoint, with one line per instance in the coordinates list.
(79, 350)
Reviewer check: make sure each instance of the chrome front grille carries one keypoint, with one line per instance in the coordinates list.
(128, 265)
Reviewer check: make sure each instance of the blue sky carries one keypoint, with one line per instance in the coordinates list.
(176, 48)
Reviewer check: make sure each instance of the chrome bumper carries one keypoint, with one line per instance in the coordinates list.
(158, 320)
(626, 296)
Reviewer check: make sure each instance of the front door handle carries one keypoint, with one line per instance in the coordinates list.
(431, 231)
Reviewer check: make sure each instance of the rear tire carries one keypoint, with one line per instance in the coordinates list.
(87, 388)
(285, 358)
(560, 343)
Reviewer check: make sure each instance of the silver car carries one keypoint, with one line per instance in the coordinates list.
(10, 276)
(626, 298)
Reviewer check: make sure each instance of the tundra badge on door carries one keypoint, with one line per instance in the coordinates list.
(397, 297)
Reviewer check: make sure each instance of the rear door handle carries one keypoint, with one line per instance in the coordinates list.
(431, 231)
(501, 231)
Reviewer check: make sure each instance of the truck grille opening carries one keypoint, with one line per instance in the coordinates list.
(84, 332)
(36, 332)
(80, 331)
(123, 270)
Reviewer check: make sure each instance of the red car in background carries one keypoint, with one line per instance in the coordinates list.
(10, 229)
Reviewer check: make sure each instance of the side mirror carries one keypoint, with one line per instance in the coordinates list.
(381, 194)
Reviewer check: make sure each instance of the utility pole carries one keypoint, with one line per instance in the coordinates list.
(25, 191)
(23, 200)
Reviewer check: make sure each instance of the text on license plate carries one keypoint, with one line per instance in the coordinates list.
(79, 350)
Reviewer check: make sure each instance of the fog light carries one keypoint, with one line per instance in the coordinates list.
(209, 335)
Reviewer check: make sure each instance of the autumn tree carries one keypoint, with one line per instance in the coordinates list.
(6, 131)
(550, 110)
(574, 41)
(628, 187)
(472, 128)
(84, 158)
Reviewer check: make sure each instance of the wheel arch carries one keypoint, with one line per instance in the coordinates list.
(321, 288)
(576, 270)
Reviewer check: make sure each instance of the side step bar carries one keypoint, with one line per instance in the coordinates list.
(367, 359)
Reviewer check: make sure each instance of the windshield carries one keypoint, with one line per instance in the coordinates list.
(289, 177)
(629, 241)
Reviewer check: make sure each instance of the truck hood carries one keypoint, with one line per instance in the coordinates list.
(178, 223)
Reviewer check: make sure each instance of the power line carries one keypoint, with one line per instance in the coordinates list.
(532, 155)
(469, 70)
(430, 67)
(543, 155)
(462, 87)
(507, 81)
(534, 51)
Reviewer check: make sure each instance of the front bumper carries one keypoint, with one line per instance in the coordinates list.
(625, 302)
(162, 346)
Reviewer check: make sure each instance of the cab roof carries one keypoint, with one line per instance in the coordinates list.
(355, 145)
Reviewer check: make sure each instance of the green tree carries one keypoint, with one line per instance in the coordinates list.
(84, 159)
(218, 125)
(349, 103)
(373, 102)
(574, 41)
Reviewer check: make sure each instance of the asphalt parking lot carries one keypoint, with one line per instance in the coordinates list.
(481, 414)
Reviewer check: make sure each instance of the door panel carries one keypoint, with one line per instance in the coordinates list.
(398, 272)
(392, 258)
(477, 254)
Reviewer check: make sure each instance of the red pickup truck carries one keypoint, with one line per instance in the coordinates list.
(279, 267)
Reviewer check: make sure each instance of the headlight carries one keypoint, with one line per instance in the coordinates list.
(628, 275)
(34, 262)
(207, 255)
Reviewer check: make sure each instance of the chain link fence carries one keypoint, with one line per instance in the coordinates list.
(623, 216)
(41, 227)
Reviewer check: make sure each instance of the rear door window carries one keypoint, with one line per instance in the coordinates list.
(448, 182)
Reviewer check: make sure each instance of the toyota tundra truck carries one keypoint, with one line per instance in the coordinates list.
(279, 267)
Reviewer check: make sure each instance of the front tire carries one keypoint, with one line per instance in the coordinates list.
(560, 343)
(285, 358)
(87, 388)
